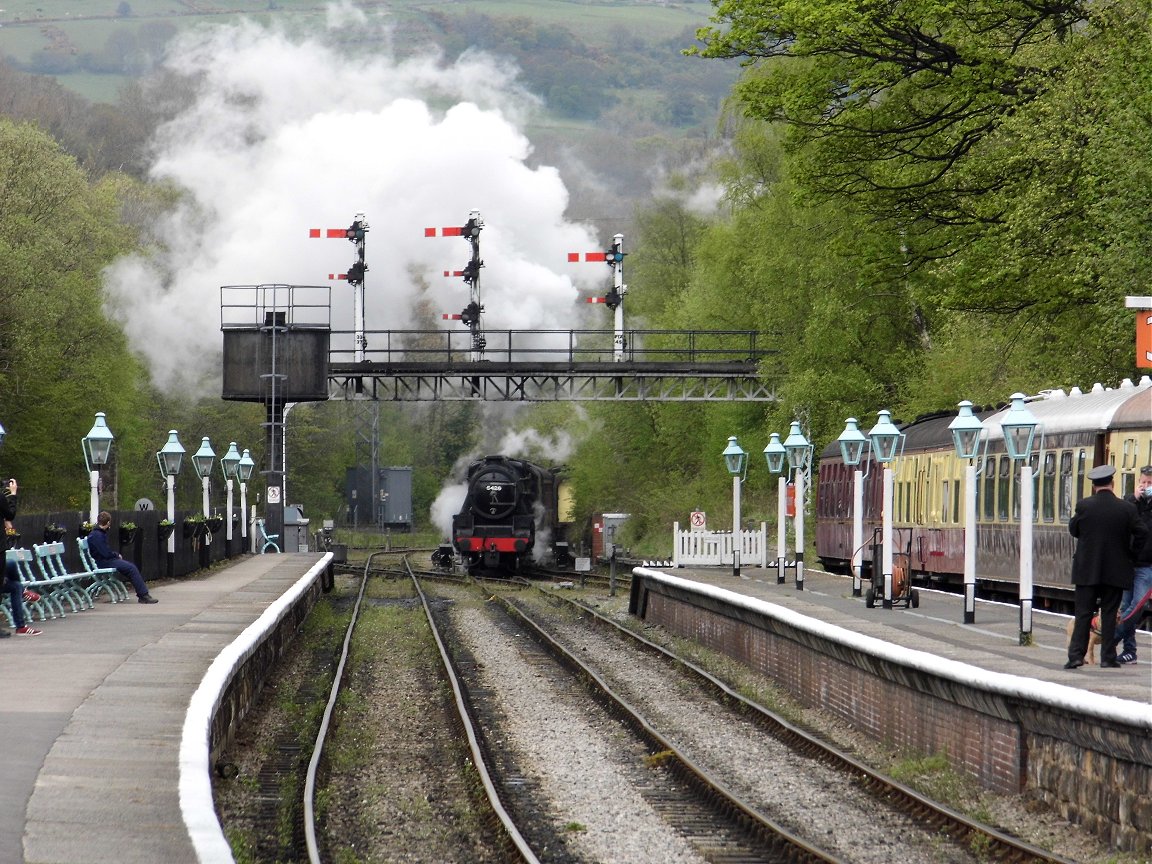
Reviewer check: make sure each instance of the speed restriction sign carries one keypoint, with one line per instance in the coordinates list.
(699, 520)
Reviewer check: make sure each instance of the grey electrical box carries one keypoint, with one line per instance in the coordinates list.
(295, 529)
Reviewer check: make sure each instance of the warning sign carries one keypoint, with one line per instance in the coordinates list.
(699, 520)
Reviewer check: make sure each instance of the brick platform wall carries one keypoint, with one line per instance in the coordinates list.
(1093, 773)
(918, 722)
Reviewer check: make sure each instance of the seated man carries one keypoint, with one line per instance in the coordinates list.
(103, 555)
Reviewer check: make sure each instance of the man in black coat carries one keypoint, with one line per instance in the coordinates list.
(1107, 530)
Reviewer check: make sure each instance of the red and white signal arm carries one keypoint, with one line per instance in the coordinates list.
(698, 520)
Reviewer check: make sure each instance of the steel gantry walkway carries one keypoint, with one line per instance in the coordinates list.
(555, 365)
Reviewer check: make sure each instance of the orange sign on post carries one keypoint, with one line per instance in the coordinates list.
(1144, 339)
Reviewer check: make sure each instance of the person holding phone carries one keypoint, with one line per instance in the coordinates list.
(12, 583)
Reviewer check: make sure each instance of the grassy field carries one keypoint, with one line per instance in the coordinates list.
(26, 25)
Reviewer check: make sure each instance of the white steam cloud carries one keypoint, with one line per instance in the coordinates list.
(287, 134)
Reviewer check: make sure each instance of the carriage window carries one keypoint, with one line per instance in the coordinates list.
(956, 502)
(1048, 489)
(946, 502)
(1066, 489)
(1003, 488)
(1034, 463)
(1127, 484)
(1081, 474)
(989, 488)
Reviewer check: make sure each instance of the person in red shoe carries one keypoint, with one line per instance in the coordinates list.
(12, 583)
(103, 555)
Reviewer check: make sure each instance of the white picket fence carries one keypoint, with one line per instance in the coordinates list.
(705, 548)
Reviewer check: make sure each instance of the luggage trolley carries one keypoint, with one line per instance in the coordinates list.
(902, 591)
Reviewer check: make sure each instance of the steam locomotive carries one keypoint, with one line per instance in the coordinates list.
(1077, 431)
(510, 515)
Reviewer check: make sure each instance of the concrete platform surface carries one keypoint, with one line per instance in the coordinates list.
(93, 710)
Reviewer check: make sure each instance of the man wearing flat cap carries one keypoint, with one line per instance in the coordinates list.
(1108, 530)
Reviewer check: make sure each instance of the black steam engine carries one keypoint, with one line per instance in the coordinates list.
(509, 516)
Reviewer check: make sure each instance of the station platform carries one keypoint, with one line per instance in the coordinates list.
(94, 715)
(991, 643)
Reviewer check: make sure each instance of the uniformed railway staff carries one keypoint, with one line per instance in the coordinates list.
(1107, 530)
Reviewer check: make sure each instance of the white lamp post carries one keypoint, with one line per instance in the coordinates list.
(229, 466)
(735, 460)
(966, 429)
(244, 469)
(885, 438)
(774, 455)
(169, 458)
(852, 443)
(203, 460)
(799, 453)
(97, 446)
(1019, 426)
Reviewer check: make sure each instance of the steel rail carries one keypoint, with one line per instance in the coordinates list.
(325, 722)
(478, 760)
(996, 844)
(777, 839)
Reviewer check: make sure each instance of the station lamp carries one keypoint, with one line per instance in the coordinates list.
(799, 453)
(1019, 426)
(229, 467)
(203, 460)
(735, 460)
(852, 443)
(885, 438)
(97, 447)
(966, 430)
(170, 458)
(774, 454)
(244, 469)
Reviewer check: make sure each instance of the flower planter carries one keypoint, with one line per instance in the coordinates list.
(195, 528)
(12, 541)
(53, 533)
(127, 536)
(84, 530)
(215, 523)
(165, 531)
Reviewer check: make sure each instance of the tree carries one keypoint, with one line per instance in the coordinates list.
(886, 100)
(63, 359)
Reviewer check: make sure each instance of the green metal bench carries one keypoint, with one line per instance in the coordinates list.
(103, 578)
(54, 592)
(266, 538)
(42, 607)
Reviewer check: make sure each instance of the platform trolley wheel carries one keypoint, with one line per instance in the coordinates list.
(870, 598)
(915, 599)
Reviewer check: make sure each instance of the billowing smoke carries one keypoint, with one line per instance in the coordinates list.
(447, 504)
(536, 446)
(287, 134)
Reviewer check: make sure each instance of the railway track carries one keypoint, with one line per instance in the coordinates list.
(985, 842)
(698, 800)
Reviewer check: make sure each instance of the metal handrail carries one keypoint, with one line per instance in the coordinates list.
(571, 346)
